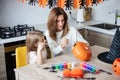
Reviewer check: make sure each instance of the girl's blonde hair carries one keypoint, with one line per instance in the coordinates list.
(32, 39)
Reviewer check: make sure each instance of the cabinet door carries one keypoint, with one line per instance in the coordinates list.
(2, 64)
(82, 32)
(1, 50)
(2, 69)
(96, 38)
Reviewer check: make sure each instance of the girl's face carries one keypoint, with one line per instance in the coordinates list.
(42, 40)
(60, 23)
(41, 43)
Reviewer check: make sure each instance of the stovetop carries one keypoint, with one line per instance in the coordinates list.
(16, 31)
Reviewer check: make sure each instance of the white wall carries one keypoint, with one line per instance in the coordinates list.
(15, 13)
(101, 11)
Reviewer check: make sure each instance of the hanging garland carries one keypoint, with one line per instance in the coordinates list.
(67, 4)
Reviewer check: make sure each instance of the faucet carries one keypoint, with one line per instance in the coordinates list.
(117, 15)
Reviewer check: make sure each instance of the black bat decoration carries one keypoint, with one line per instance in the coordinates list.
(33, 2)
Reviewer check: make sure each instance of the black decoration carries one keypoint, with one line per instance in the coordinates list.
(114, 52)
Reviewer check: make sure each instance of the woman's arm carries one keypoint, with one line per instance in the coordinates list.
(55, 48)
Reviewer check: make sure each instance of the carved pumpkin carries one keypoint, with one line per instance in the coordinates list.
(116, 66)
(81, 51)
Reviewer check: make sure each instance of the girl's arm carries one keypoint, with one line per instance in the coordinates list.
(39, 58)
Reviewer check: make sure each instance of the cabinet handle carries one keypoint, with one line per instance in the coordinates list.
(13, 54)
(87, 31)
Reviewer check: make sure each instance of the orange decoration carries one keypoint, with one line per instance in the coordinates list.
(77, 73)
(88, 3)
(61, 3)
(42, 3)
(99, 1)
(23, 1)
(116, 66)
(76, 4)
(82, 51)
(66, 73)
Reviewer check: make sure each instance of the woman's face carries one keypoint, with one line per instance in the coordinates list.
(60, 23)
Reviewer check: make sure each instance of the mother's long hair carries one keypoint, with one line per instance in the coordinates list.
(52, 22)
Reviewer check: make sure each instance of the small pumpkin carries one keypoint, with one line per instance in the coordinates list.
(116, 66)
(66, 73)
(82, 51)
(77, 73)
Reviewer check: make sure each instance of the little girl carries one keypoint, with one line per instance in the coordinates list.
(36, 51)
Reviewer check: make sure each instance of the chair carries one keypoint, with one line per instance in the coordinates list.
(21, 56)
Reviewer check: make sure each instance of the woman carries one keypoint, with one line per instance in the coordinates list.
(60, 36)
(36, 51)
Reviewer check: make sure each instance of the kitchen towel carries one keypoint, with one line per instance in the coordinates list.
(114, 52)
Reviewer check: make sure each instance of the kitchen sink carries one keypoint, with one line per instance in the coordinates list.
(105, 26)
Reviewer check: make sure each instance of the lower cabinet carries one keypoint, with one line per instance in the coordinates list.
(10, 57)
(96, 38)
(82, 32)
(2, 69)
(2, 64)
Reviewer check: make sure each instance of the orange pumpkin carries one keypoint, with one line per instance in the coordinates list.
(77, 73)
(116, 66)
(81, 51)
(66, 73)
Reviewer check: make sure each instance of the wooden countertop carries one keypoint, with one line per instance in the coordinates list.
(34, 72)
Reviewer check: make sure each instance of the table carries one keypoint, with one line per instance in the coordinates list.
(34, 72)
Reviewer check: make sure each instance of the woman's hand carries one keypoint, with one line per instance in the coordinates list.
(64, 43)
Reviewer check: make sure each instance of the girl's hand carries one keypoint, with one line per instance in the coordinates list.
(41, 46)
(64, 43)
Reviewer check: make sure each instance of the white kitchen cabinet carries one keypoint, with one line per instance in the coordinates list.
(2, 64)
(97, 38)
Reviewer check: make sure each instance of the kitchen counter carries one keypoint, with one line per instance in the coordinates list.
(86, 24)
(13, 39)
(43, 27)
(34, 72)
